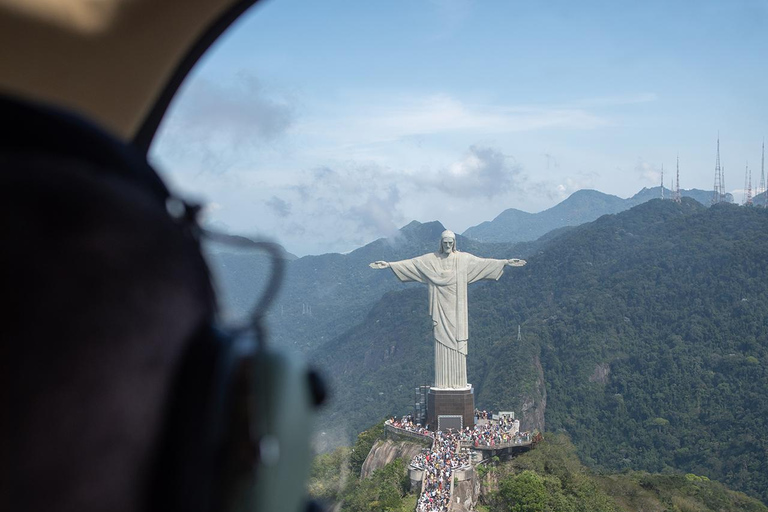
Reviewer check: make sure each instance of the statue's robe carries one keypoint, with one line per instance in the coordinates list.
(447, 279)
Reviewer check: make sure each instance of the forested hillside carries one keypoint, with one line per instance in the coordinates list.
(549, 478)
(654, 344)
(648, 329)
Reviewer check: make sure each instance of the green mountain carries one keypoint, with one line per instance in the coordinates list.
(644, 337)
(657, 344)
(582, 206)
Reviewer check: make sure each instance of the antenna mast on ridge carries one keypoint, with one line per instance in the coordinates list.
(662, 182)
(748, 186)
(717, 195)
(723, 198)
(677, 197)
(744, 190)
(761, 190)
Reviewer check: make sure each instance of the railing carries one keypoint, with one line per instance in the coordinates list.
(526, 440)
(453, 479)
(407, 433)
(500, 446)
(507, 448)
(424, 478)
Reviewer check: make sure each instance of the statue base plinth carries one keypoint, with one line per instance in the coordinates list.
(450, 408)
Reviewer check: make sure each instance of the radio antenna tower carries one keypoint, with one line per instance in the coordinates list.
(761, 190)
(662, 182)
(717, 195)
(677, 197)
(723, 197)
(748, 187)
(746, 177)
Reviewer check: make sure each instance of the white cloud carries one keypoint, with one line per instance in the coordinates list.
(346, 173)
(212, 128)
(579, 181)
(556, 191)
(378, 120)
(648, 172)
(333, 209)
(336, 209)
(245, 111)
(483, 171)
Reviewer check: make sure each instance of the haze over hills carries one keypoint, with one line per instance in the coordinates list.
(760, 199)
(645, 338)
(582, 206)
(323, 296)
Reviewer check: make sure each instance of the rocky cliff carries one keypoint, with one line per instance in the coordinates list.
(387, 450)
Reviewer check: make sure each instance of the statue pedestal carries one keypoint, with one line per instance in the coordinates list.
(454, 408)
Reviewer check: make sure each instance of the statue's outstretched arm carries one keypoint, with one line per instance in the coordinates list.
(379, 264)
(514, 262)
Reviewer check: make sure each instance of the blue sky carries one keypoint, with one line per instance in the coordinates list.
(329, 124)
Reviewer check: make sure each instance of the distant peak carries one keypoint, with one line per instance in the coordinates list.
(418, 230)
(415, 225)
(588, 194)
(512, 213)
(587, 191)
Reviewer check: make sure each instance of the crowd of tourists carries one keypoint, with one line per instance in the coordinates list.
(439, 465)
(446, 455)
(426, 458)
(406, 423)
(501, 431)
(505, 431)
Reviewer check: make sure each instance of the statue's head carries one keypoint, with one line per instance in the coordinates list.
(447, 242)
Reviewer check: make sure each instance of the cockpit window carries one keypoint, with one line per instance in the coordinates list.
(330, 125)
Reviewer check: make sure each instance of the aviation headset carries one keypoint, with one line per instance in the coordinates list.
(238, 426)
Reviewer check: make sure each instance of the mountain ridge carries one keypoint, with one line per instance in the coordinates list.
(582, 206)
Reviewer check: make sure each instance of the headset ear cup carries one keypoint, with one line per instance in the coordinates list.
(239, 452)
(280, 408)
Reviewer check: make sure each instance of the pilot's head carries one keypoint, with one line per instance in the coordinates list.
(105, 292)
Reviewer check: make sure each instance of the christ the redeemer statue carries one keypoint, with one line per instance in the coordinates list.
(447, 273)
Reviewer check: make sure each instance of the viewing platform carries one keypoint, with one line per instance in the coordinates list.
(452, 456)
(504, 450)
